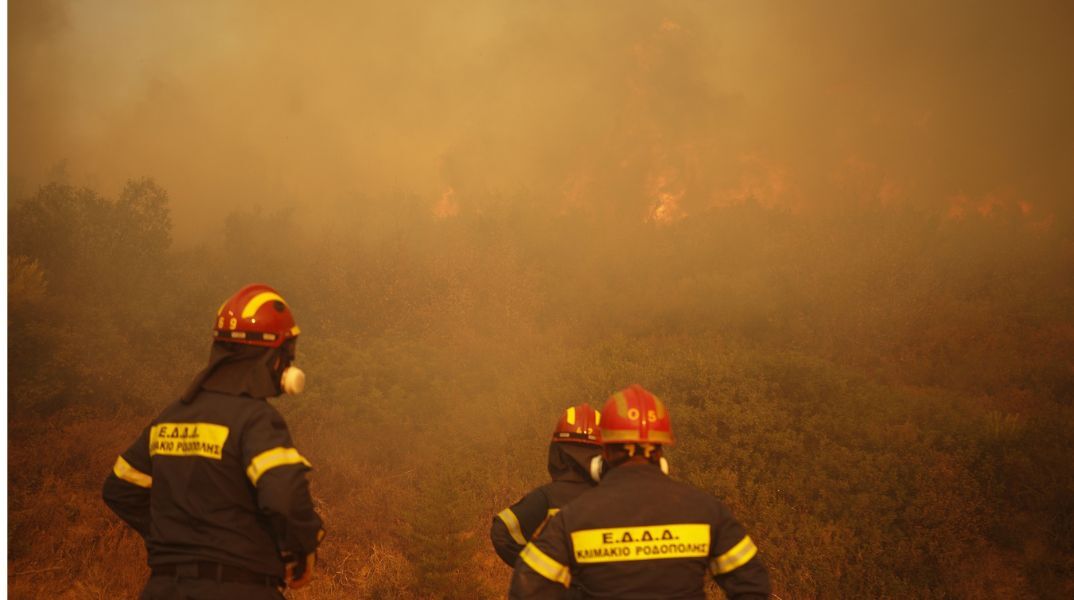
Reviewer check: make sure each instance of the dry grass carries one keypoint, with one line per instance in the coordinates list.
(65, 543)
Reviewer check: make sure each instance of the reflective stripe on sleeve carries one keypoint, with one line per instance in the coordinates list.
(513, 526)
(545, 565)
(270, 459)
(735, 557)
(126, 472)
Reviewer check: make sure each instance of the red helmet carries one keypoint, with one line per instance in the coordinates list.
(578, 424)
(634, 416)
(255, 315)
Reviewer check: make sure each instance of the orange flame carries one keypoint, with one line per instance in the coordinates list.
(668, 25)
(1001, 204)
(446, 207)
(667, 193)
(988, 205)
(956, 210)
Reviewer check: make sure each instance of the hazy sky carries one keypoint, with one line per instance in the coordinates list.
(662, 108)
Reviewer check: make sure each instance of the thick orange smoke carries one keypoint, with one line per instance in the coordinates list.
(649, 110)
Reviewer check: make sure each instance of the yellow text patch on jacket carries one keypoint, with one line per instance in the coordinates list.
(188, 439)
(652, 542)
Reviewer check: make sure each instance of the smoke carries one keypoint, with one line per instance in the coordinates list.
(644, 109)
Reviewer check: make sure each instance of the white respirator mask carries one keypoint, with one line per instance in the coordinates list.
(293, 380)
(596, 467)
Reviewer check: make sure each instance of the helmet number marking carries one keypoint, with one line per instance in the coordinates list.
(652, 415)
(633, 414)
(234, 323)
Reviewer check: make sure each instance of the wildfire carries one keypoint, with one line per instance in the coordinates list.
(866, 181)
(956, 210)
(668, 25)
(1001, 204)
(960, 205)
(666, 193)
(446, 207)
(988, 205)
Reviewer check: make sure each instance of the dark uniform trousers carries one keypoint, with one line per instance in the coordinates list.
(640, 535)
(218, 491)
(513, 527)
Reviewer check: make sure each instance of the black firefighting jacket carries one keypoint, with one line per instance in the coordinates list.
(641, 535)
(514, 526)
(217, 479)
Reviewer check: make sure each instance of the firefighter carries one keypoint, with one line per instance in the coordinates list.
(214, 485)
(575, 445)
(640, 534)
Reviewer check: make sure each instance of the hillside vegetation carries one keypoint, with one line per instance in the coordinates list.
(885, 397)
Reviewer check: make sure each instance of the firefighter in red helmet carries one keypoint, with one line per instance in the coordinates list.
(214, 484)
(571, 453)
(640, 534)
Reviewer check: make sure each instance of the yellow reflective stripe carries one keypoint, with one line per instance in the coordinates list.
(127, 473)
(735, 557)
(570, 416)
(660, 411)
(620, 404)
(513, 526)
(257, 301)
(631, 435)
(270, 459)
(545, 565)
(598, 416)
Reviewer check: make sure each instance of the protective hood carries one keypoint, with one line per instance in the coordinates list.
(241, 370)
(570, 462)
